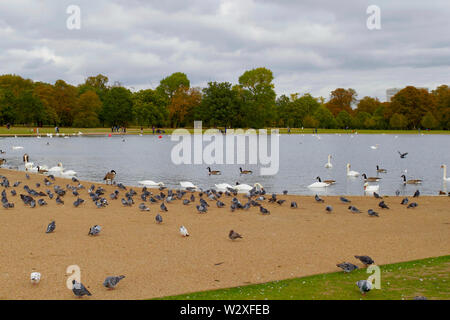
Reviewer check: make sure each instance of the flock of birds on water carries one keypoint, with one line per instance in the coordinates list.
(256, 197)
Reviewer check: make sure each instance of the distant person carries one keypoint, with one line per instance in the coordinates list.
(8, 125)
(153, 128)
(289, 130)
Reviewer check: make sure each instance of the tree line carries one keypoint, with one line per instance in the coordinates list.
(251, 103)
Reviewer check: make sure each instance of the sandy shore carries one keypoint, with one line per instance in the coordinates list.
(158, 261)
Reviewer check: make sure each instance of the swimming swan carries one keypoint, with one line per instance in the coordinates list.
(150, 183)
(445, 173)
(188, 184)
(369, 188)
(328, 164)
(351, 173)
(246, 188)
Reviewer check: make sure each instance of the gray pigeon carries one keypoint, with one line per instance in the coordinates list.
(201, 209)
(412, 205)
(364, 286)
(51, 227)
(365, 260)
(416, 194)
(383, 205)
(234, 235)
(143, 207)
(372, 213)
(345, 200)
(405, 201)
(347, 266)
(163, 207)
(111, 282)
(354, 209)
(318, 199)
(158, 218)
(95, 230)
(329, 208)
(294, 205)
(79, 290)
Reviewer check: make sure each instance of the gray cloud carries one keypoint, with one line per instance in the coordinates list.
(311, 46)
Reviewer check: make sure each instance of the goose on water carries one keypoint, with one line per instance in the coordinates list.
(318, 184)
(411, 181)
(381, 170)
(370, 179)
(213, 172)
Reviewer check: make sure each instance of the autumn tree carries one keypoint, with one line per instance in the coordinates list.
(182, 105)
(88, 108)
(341, 99)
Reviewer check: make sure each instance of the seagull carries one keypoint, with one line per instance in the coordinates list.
(95, 230)
(111, 282)
(372, 213)
(366, 260)
(51, 227)
(416, 194)
(158, 218)
(347, 266)
(364, 286)
(35, 277)
(383, 205)
(184, 231)
(402, 155)
(79, 290)
(234, 235)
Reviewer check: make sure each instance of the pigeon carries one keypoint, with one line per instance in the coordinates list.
(264, 210)
(402, 155)
(365, 259)
(59, 201)
(372, 213)
(51, 227)
(294, 205)
(285, 192)
(79, 290)
(416, 194)
(234, 235)
(397, 193)
(220, 204)
(111, 282)
(78, 202)
(280, 202)
(412, 205)
(420, 298)
(143, 207)
(329, 208)
(163, 207)
(35, 277)
(347, 266)
(345, 200)
(201, 209)
(158, 218)
(318, 199)
(405, 201)
(383, 205)
(95, 230)
(184, 231)
(42, 202)
(377, 196)
(354, 209)
(364, 286)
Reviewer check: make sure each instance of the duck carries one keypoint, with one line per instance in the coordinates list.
(318, 184)
(150, 183)
(371, 188)
(411, 181)
(445, 173)
(245, 171)
(213, 172)
(370, 179)
(328, 164)
(381, 170)
(351, 173)
(110, 176)
(245, 187)
(188, 185)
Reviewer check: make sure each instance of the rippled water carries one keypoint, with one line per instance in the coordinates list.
(302, 159)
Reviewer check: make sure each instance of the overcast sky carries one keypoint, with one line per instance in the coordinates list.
(310, 45)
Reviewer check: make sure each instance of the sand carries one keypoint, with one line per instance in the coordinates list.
(157, 261)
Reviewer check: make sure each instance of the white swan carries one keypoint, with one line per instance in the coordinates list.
(29, 165)
(150, 183)
(223, 186)
(188, 184)
(375, 147)
(246, 188)
(68, 173)
(58, 169)
(328, 164)
(318, 184)
(17, 148)
(445, 173)
(351, 173)
(369, 188)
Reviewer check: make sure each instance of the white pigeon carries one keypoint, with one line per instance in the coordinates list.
(35, 277)
(184, 231)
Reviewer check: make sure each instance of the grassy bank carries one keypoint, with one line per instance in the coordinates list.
(427, 277)
(31, 131)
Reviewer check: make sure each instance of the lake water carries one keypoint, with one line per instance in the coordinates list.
(302, 159)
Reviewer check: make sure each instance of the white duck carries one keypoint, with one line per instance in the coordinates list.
(445, 173)
(318, 184)
(371, 188)
(151, 184)
(328, 164)
(188, 184)
(351, 173)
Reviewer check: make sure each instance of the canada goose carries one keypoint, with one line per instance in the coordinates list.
(370, 179)
(318, 184)
(245, 171)
(381, 170)
(42, 169)
(213, 172)
(110, 176)
(445, 173)
(412, 181)
(328, 164)
(351, 173)
(2, 162)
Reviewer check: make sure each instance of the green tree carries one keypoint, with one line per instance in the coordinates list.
(325, 118)
(344, 119)
(169, 85)
(398, 121)
(429, 121)
(87, 111)
(118, 106)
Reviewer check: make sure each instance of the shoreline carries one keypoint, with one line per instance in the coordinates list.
(158, 262)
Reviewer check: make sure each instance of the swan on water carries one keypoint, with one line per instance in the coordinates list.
(375, 147)
(188, 184)
(245, 187)
(371, 188)
(150, 183)
(223, 186)
(328, 164)
(445, 173)
(351, 173)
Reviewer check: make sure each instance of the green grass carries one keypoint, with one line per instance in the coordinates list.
(25, 131)
(427, 277)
